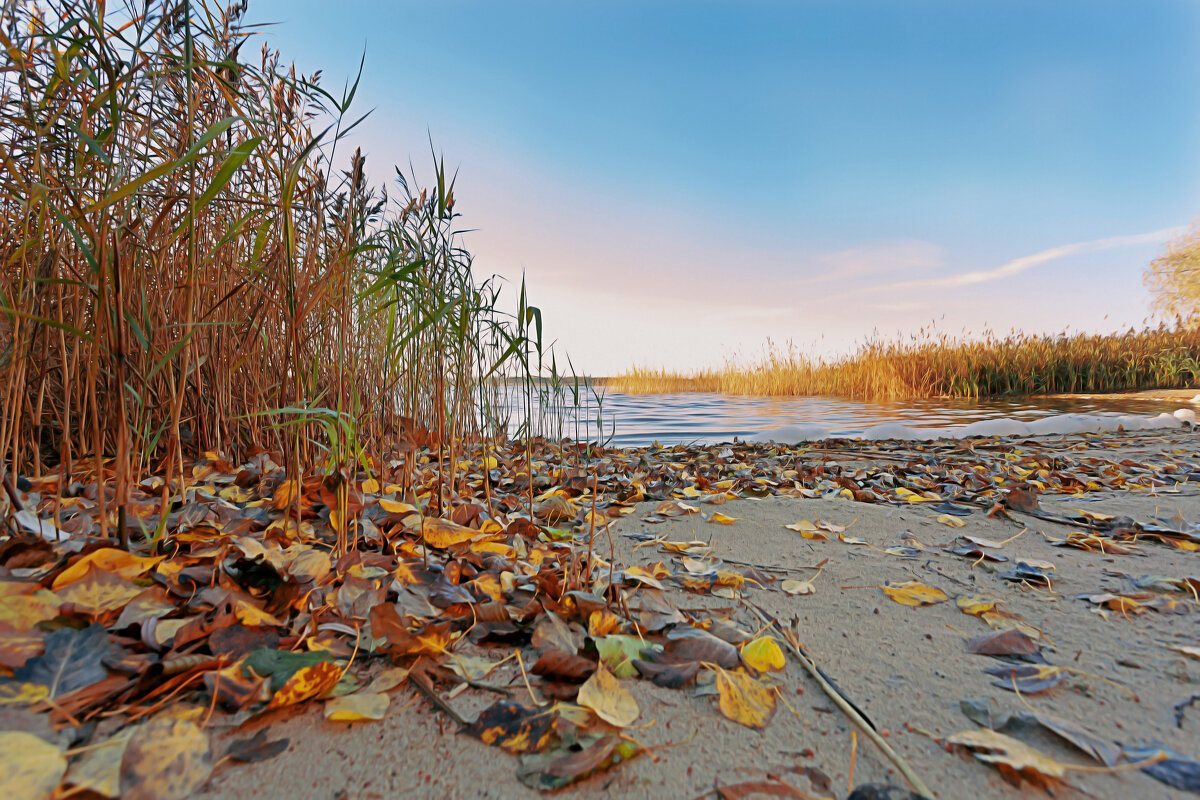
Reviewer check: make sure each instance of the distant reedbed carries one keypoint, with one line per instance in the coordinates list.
(929, 365)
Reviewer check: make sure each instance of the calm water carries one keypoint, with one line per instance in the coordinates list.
(634, 420)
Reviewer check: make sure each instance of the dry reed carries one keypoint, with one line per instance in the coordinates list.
(193, 261)
(937, 365)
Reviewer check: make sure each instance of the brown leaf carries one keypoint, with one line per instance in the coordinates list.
(563, 666)
(694, 644)
(1008, 642)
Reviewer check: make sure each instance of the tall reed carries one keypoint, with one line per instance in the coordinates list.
(931, 364)
(194, 260)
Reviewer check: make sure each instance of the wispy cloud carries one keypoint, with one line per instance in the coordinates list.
(1025, 263)
(908, 255)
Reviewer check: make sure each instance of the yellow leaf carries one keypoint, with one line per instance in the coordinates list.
(24, 611)
(603, 694)
(109, 559)
(953, 522)
(165, 759)
(763, 654)
(443, 533)
(252, 615)
(370, 486)
(98, 592)
(722, 519)
(29, 767)
(975, 604)
(744, 699)
(16, 693)
(394, 507)
(806, 529)
(912, 593)
(357, 707)
(490, 462)
(602, 622)
(307, 683)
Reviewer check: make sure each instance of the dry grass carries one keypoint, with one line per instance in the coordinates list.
(930, 365)
(193, 260)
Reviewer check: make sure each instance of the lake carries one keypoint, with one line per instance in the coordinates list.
(636, 420)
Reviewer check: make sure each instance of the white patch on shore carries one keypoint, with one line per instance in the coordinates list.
(1056, 425)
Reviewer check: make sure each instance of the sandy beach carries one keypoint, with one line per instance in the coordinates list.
(907, 668)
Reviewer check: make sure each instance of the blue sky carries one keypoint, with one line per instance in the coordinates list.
(682, 181)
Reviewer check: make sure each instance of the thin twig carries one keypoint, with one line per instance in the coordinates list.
(847, 708)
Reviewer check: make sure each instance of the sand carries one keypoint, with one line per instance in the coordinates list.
(906, 668)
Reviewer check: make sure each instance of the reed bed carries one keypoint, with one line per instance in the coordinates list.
(194, 260)
(938, 365)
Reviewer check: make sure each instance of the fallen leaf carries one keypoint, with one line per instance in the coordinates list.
(99, 769)
(165, 759)
(73, 660)
(97, 592)
(618, 651)
(795, 587)
(306, 683)
(1102, 750)
(953, 522)
(1007, 642)
(912, 593)
(1027, 678)
(443, 533)
(694, 644)
(1174, 770)
(722, 519)
(357, 707)
(29, 767)
(744, 699)
(513, 727)
(975, 604)
(1014, 759)
(107, 559)
(256, 748)
(603, 694)
(557, 768)
(764, 654)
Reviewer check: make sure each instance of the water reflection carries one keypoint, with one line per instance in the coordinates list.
(634, 420)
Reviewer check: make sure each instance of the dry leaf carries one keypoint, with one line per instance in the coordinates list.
(722, 519)
(797, 587)
(165, 759)
(604, 694)
(1014, 759)
(357, 707)
(118, 562)
(744, 699)
(307, 683)
(29, 767)
(99, 769)
(763, 654)
(912, 593)
(975, 604)
(442, 533)
(953, 522)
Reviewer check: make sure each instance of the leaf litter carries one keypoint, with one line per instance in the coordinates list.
(216, 610)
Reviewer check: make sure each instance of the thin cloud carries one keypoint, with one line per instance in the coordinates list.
(1024, 263)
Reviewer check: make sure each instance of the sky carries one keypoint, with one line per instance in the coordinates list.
(681, 183)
